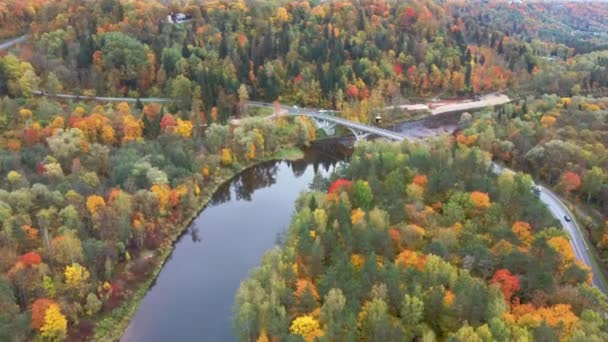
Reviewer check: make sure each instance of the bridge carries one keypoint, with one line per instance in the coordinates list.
(328, 122)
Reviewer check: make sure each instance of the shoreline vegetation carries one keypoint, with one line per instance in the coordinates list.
(113, 325)
(364, 260)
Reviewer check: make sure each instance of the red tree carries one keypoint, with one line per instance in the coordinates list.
(352, 91)
(168, 123)
(571, 181)
(509, 283)
(31, 258)
(339, 185)
(39, 308)
(398, 69)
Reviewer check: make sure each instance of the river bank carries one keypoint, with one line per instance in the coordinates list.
(112, 326)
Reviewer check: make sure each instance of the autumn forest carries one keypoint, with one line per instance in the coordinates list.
(119, 122)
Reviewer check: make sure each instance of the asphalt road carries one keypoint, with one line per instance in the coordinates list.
(554, 204)
(12, 42)
(579, 245)
(102, 98)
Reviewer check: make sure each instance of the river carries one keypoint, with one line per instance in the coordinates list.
(193, 295)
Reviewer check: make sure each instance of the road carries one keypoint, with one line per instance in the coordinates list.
(484, 101)
(459, 106)
(9, 43)
(321, 114)
(581, 249)
(103, 98)
(579, 245)
(552, 201)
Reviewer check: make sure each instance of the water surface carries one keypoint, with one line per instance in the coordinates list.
(193, 295)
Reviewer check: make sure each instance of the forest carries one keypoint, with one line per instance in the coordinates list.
(85, 198)
(92, 194)
(559, 140)
(421, 241)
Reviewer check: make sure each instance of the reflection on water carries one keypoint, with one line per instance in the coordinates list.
(265, 175)
(194, 293)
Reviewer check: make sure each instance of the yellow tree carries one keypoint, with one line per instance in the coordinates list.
(522, 230)
(94, 202)
(563, 247)
(282, 15)
(107, 134)
(184, 128)
(162, 192)
(305, 326)
(76, 275)
(481, 200)
(547, 121)
(132, 128)
(123, 108)
(226, 157)
(357, 216)
(25, 114)
(55, 325)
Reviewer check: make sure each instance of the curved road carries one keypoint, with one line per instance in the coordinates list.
(581, 249)
(560, 211)
(552, 201)
(12, 42)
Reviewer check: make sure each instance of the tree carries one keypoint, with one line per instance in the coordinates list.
(28, 83)
(243, 98)
(547, 121)
(30, 259)
(65, 143)
(181, 92)
(332, 313)
(480, 200)
(509, 283)
(226, 157)
(95, 202)
(93, 304)
(523, 231)
(13, 324)
(282, 15)
(76, 275)
(184, 128)
(570, 181)
(375, 321)
(305, 326)
(169, 59)
(593, 181)
(132, 129)
(412, 313)
(168, 123)
(55, 325)
(67, 249)
(123, 53)
(216, 137)
(362, 195)
(339, 185)
(39, 308)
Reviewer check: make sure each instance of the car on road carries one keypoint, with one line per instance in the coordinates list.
(536, 190)
(567, 218)
(295, 107)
